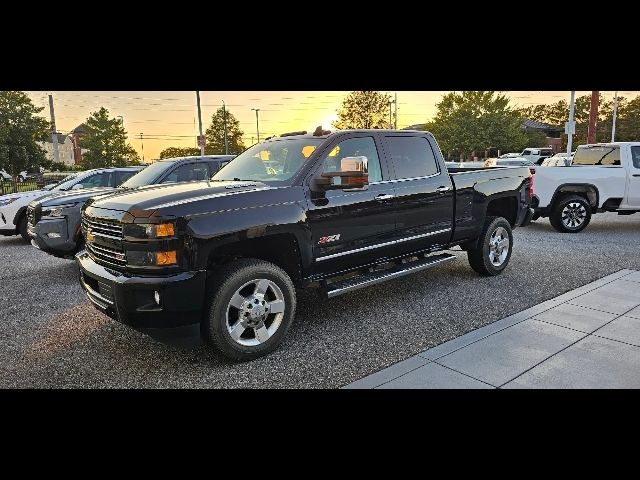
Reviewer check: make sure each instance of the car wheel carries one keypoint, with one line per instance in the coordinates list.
(571, 214)
(251, 305)
(495, 244)
(22, 228)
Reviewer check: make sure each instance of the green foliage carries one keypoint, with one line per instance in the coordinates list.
(364, 109)
(106, 141)
(215, 134)
(53, 166)
(473, 121)
(174, 152)
(20, 129)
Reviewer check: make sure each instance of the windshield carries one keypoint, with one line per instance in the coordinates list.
(276, 161)
(148, 175)
(65, 184)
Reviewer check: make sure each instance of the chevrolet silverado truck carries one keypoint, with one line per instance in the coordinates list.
(603, 177)
(54, 221)
(221, 259)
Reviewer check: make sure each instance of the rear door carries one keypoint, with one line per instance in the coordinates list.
(633, 190)
(424, 194)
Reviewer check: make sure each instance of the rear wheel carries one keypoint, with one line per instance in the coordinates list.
(22, 228)
(493, 252)
(251, 305)
(571, 214)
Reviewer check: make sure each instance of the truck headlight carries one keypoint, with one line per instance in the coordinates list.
(6, 201)
(55, 211)
(152, 259)
(149, 230)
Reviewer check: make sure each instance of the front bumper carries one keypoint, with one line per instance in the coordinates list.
(51, 236)
(130, 299)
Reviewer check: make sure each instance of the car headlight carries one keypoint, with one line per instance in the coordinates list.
(6, 201)
(151, 259)
(55, 211)
(149, 230)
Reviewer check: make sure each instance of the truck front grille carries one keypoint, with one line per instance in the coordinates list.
(108, 256)
(101, 227)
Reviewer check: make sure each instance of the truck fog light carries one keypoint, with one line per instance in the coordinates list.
(156, 297)
(53, 235)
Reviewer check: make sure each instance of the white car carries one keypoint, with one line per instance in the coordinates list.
(13, 207)
(5, 176)
(510, 155)
(558, 160)
(536, 155)
(602, 177)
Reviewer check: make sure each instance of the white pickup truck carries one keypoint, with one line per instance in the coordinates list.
(603, 177)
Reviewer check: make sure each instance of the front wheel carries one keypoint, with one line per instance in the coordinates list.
(495, 244)
(22, 229)
(571, 214)
(251, 305)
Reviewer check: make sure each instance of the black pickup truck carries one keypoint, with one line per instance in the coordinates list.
(221, 259)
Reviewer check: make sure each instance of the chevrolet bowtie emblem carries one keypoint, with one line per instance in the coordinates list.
(90, 236)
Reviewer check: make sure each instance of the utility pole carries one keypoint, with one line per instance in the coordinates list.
(390, 114)
(201, 139)
(570, 128)
(615, 114)
(593, 117)
(224, 115)
(257, 123)
(54, 132)
(142, 142)
(395, 115)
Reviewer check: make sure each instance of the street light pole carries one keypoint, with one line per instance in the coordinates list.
(615, 114)
(200, 123)
(570, 126)
(224, 114)
(257, 124)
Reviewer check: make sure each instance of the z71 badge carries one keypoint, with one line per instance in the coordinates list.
(328, 239)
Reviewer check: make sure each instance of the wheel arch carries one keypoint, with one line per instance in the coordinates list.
(587, 190)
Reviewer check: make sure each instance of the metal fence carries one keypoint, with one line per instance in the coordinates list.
(13, 186)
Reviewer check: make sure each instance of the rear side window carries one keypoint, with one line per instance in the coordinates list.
(635, 155)
(597, 155)
(102, 179)
(412, 157)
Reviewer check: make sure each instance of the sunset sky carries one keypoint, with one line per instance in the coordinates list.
(170, 118)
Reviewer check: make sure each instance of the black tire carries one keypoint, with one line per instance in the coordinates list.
(22, 229)
(535, 217)
(556, 217)
(222, 287)
(479, 257)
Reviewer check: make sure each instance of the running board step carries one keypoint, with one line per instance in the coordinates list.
(344, 286)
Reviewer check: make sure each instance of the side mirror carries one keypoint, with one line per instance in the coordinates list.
(353, 173)
(77, 186)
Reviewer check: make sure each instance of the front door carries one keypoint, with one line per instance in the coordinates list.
(633, 190)
(424, 194)
(350, 227)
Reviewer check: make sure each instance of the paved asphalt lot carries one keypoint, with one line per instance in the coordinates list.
(51, 337)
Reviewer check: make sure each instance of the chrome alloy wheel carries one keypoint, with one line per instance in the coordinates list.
(255, 312)
(573, 215)
(498, 246)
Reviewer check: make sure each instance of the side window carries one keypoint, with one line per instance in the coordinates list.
(526, 152)
(635, 155)
(122, 177)
(355, 147)
(190, 172)
(412, 157)
(102, 179)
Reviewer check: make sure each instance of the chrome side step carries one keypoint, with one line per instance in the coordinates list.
(338, 288)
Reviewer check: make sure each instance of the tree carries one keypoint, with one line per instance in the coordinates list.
(106, 141)
(628, 123)
(364, 109)
(215, 134)
(472, 121)
(20, 129)
(173, 152)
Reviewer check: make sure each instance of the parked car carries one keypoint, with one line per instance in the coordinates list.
(220, 260)
(31, 174)
(558, 160)
(510, 162)
(509, 155)
(536, 155)
(55, 221)
(4, 176)
(602, 177)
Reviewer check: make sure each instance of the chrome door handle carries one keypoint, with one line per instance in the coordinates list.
(443, 189)
(384, 196)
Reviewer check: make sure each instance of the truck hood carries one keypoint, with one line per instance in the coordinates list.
(167, 199)
(73, 196)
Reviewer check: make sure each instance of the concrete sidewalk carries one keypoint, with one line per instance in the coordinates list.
(586, 338)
